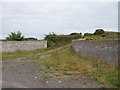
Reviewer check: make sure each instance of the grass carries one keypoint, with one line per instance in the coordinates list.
(105, 36)
(66, 62)
(0, 56)
(19, 54)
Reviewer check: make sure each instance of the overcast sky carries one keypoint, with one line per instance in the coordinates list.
(39, 18)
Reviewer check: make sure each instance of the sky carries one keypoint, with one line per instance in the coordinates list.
(35, 19)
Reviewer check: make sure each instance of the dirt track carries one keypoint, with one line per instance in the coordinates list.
(23, 74)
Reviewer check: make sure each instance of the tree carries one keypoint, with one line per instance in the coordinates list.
(51, 39)
(88, 34)
(15, 36)
(30, 38)
(76, 34)
(99, 32)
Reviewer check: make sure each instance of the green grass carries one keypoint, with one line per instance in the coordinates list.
(66, 62)
(19, 54)
(105, 36)
(0, 56)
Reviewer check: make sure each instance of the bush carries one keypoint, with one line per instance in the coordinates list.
(15, 36)
(99, 32)
(88, 34)
(76, 35)
(55, 40)
(51, 39)
(30, 38)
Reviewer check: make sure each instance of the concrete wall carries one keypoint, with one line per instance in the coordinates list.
(0, 46)
(106, 50)
(10, 46)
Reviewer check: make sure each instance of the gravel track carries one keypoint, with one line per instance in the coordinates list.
(21, 74)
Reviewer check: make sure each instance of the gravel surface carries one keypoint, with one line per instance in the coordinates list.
(20, 74)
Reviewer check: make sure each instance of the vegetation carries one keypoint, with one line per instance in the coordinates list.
(111, 35)
(70, 63)
(15, 36)
(30, 38)
(78, 34)
(0, 56)
(22, 54)
(55, 40)
(100, 34)
(88, 34)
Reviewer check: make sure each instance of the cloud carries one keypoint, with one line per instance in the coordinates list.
(37, 19)
(59, 0)
(0, 20)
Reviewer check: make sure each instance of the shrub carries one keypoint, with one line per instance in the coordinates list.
(15, 36)
(30, 38)
(55, 40)
(88, 34)
(99, 32)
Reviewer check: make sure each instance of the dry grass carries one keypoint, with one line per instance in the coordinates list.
(19, 54)
(66, 62)
(0, 56)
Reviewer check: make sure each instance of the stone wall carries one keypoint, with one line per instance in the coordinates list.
(106, 50)
(11, 46)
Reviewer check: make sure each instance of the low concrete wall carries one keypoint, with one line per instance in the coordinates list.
(106, 50)
(0, 46)
(11, 46)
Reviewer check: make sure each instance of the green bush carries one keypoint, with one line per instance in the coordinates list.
(113, 79)
(99, 32)
(78, 34)
(55, 40)
(30, 38)
(15, 36)
(88, 34)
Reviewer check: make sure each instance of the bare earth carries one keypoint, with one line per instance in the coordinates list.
(23, 74)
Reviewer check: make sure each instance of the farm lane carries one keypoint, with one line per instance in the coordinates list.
(18, 74)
